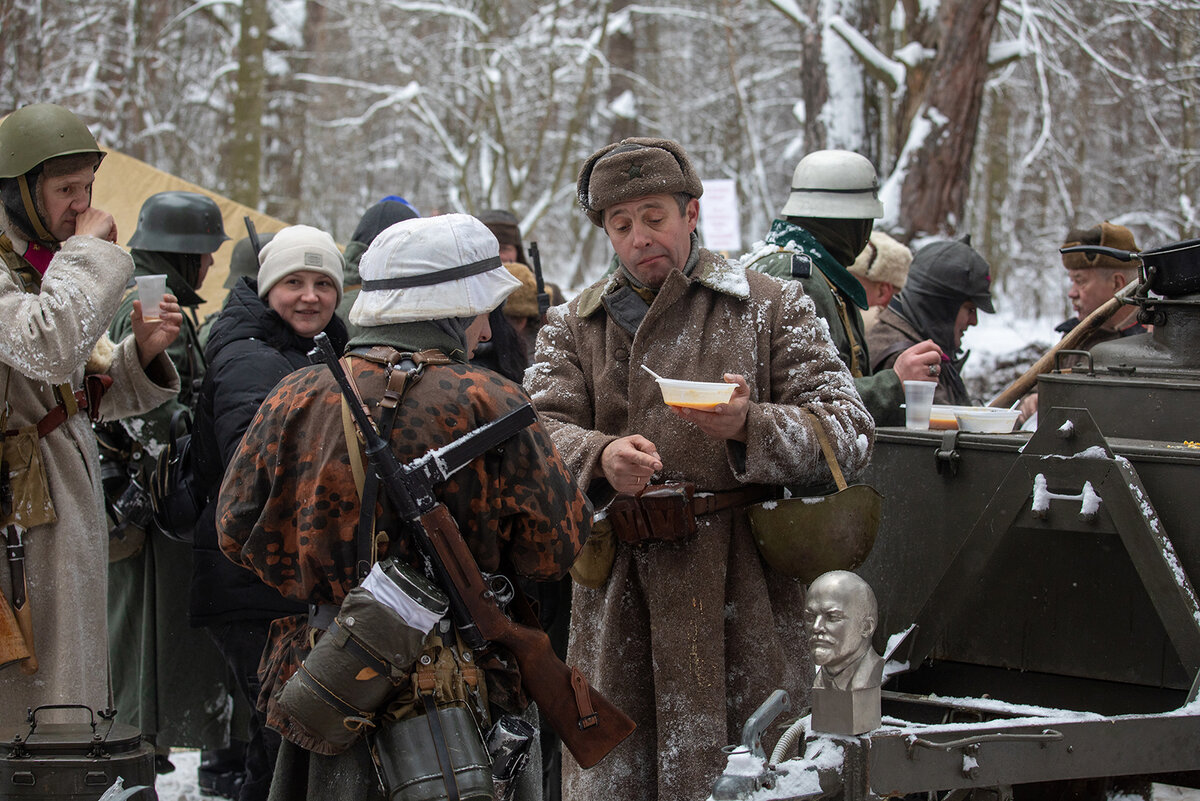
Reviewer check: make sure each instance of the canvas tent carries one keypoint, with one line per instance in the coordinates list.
(123, 184)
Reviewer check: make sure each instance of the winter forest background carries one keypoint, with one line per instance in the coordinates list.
(1010, 120)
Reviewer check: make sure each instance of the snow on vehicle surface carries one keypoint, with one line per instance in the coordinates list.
(1045, 583)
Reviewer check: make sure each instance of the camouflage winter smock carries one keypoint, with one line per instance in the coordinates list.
(689, 639)
(790, 249)
(288, 507)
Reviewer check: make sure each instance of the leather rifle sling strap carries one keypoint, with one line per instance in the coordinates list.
(857, 355)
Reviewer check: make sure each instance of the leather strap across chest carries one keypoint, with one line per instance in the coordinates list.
(402, 371)
(69, 402)
(858, 356)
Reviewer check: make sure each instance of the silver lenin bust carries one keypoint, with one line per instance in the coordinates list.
(840, 616)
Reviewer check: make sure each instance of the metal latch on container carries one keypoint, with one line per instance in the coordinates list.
(947, 457)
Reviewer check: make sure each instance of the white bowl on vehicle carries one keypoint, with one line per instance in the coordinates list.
(985, 420)
(694, 394)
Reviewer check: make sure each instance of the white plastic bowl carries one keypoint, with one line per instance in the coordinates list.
(986, 420)
(694, 394)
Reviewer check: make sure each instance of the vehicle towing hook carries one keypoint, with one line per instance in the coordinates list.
(747, 770)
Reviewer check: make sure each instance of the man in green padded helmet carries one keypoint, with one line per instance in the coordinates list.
(61, 281)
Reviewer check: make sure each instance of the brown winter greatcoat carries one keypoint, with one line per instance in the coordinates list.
(690, 639)
(45, 340)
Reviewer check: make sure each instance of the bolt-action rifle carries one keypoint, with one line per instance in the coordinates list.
(543, 297)
(589, 725)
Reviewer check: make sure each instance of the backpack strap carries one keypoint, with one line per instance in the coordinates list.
(403, 371)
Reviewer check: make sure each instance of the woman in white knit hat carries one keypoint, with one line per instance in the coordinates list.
(263, 333)
(290, 511)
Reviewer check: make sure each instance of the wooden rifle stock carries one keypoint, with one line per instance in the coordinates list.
(1026, 382)
(590, 726)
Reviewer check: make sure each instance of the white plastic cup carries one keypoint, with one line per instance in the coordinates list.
(918, 403)
(150, 289)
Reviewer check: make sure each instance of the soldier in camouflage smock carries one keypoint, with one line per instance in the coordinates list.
(289, 507)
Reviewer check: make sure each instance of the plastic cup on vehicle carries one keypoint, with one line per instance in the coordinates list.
(150, 289)
(918, 403)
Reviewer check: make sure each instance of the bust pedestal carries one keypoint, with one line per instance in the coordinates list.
(846, 712)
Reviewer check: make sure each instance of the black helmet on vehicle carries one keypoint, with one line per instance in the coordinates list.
(179, 222)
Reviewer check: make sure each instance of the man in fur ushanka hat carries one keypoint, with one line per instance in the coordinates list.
(1094, 279)
(681, 624)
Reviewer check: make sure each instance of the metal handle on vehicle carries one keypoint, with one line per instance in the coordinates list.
(31, 717)
(1083, 354)
(1047, 735)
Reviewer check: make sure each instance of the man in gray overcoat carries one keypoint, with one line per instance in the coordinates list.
(61, 280)
(691, 631)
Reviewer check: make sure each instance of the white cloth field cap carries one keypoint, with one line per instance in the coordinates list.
(431, 268)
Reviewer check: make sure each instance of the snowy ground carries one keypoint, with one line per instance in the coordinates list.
(181, 784)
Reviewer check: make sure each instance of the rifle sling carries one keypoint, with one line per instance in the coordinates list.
(583, 700)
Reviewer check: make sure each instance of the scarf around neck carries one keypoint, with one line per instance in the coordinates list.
(446, 335)
(789, 235)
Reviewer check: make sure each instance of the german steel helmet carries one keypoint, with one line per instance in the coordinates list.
(179, 222)
(834, 184)
(37, 133)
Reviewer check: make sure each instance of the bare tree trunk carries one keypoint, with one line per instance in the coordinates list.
(935, 187)
(245, 147)
(814, 82)
(622, 59)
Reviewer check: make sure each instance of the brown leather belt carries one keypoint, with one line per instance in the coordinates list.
(709, 502)
(86, 399)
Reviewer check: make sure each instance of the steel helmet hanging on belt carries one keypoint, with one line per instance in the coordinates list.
(179, 222)
(805, 537)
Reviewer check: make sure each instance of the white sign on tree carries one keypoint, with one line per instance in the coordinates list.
(720, 224)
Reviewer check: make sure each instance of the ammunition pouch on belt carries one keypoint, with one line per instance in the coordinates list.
(22, 472)
(366, 654)
(666, 513)
(23, 480)
(659, 513)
